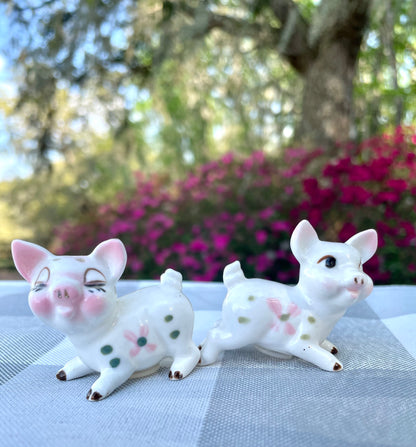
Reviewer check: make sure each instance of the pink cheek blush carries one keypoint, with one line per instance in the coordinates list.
(93, 305)
(40, 305)
(330, 285)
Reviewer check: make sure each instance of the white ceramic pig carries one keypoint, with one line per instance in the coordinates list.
(285, 321)
(113, 336)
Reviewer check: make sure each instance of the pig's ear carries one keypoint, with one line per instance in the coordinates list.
(302, 238)
(365, 242)
(113, 253)
(26, 257)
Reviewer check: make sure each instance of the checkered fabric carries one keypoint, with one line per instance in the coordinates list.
(245, 399)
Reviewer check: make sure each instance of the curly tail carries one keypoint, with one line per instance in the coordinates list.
(172, 278)
(233, 275)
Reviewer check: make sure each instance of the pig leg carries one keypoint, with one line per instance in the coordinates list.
(328, 346)
(109, 380)
(313, 353)
(222, 338)
(182, 349)
(175, 329)
(184, 361)
(73, 369)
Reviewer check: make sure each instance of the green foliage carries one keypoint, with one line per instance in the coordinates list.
(385, 83)
(107, 88)
(212, 70)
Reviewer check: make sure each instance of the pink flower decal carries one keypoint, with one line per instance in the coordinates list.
(139, 341)
(282, 317)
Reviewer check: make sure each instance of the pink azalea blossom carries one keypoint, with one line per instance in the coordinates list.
(261, 236)
(221, 241)
(198, 245)
(280, 225)
(355, 194)
(266, 213)
(398, 185)
(136, 265)
(228, 158)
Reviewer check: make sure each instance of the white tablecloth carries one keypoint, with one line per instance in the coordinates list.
(246, 399)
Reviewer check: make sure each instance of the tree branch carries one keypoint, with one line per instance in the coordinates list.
(334, 19)
(293, 44)
(291, 40)
(206, 20)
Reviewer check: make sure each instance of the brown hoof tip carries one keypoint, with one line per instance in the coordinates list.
(334, 350)
(61, 375)
(200, 347)
(94, 396)
(176, 375)
(337, 367)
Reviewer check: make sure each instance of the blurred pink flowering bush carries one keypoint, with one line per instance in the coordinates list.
(246, 208)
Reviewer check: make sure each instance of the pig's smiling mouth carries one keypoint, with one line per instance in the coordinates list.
(354, 293)
(66, 311)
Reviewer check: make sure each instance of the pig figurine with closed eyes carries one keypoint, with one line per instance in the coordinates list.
(285, 321)
(116, 337)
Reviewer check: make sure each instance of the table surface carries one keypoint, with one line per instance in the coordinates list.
(245, 399)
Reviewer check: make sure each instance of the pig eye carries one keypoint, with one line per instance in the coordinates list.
(94, 279)
(43, 276)
(330, 262)
(38, 287)
(41, 280)
(93, 276)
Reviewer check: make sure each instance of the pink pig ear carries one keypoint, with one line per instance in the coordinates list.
(113, 253)
(27, 256)
(303, 237)
(365, 242)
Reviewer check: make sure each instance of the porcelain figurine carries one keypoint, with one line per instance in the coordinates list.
(116, 337)
(285, 321)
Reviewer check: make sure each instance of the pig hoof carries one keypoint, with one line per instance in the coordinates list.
(177, 375)
(94, 396)
(337, 367)
(61, 375)
(334, 350)
(200, 347)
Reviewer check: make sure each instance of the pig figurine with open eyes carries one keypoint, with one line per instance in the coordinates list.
(285, 321)
(116, 337)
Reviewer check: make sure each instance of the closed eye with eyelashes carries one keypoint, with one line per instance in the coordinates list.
(97, 285)
(94, 279)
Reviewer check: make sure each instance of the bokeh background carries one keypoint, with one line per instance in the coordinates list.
(200, 132)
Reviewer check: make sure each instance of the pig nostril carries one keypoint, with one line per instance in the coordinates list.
(66, 294)
(356, 280)
(59, 294)
(362, 281)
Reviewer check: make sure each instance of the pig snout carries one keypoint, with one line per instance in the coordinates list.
(359, 280)
(67, 294)
(359, 284)
(67, 298)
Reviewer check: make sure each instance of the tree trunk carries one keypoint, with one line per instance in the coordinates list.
(327, 97)
(334, 38)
